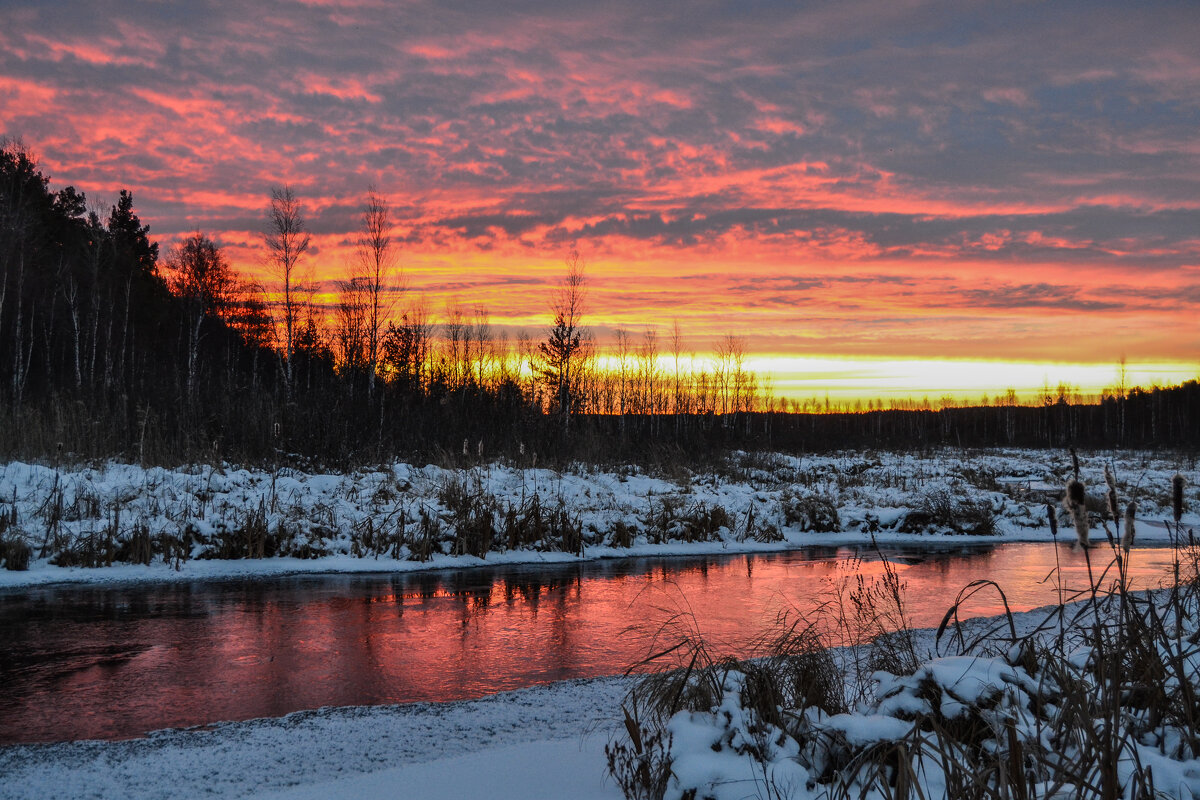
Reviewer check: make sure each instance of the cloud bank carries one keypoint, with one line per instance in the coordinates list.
(885, 178)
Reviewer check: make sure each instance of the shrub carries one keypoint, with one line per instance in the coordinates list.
(15, 554)
(622, 534)
(425, 538)
(939, 510)
(472, 516)
(252, 539)
(810, 511)
(671, 521)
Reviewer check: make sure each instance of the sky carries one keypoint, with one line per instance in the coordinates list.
(915, 194)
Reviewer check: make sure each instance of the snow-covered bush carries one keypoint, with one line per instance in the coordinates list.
(810, 511)
(942, 510)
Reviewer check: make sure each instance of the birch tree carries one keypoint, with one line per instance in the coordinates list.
(287, 241)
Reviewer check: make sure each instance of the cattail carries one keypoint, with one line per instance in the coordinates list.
(1127, 539)
(1111, 482)
(1075, 503)
(1053, 518)
(1177, 497)
(1075, 462)
(1113, 510)
(1079, 517)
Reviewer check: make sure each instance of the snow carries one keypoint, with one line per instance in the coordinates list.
(324, 522)
(514, 744)
(542, 770)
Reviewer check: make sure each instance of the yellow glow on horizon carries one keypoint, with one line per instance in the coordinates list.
(850, 379)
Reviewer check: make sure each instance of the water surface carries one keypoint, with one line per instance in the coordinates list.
(88, 662)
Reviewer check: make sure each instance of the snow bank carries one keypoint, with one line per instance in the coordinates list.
(524, 744)
(215, 521)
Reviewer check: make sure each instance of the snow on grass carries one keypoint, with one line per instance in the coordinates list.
(213, 521)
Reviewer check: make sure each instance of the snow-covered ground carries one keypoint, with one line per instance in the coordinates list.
(544, 742)
(200, 521)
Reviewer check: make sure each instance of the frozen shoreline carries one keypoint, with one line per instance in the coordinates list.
(42, 573)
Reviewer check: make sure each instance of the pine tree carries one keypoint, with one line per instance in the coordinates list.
(562, 345)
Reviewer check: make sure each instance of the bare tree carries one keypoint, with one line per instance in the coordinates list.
(287, 241)
(527, 362)
(455, 345)
(352, 334)
(201, 278)
(377, 268)
(480, 345)
(730, 373)
(623, 351)
(648, 374)
(676, 352)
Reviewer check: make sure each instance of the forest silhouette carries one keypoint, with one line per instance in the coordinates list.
(112, 348)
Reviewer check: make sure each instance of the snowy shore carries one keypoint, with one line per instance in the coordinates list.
(542, 742)
(202, 521)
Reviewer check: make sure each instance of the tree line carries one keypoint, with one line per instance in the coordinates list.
(111, 348)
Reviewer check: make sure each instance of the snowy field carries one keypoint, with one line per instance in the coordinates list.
(222, 521)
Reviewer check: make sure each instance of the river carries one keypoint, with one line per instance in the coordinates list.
(88, 662)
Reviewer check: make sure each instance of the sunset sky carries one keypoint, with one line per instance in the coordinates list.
(862, 190)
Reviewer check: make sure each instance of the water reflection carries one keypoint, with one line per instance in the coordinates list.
(81, 662)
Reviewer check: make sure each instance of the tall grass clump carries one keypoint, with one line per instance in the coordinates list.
(15, 553)
(473, 513)
(940, 510)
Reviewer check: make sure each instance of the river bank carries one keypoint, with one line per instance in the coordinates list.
(123, 523)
